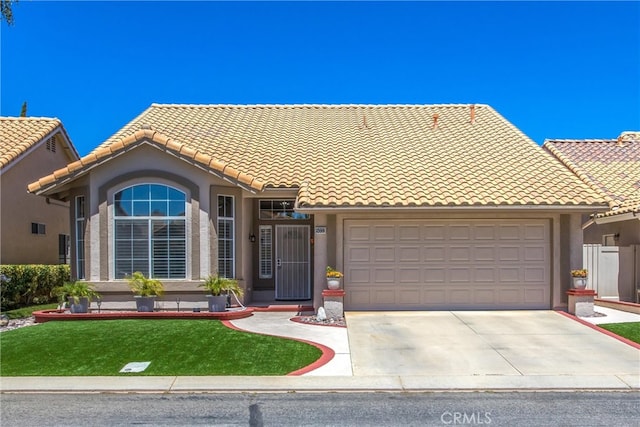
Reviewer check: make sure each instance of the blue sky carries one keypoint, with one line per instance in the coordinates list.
(555, 70)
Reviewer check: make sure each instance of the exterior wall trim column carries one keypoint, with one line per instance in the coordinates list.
(320, 260)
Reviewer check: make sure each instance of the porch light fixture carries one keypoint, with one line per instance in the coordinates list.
(252, 238)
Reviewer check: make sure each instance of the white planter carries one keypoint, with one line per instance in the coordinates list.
(333, 283)
(579, 282)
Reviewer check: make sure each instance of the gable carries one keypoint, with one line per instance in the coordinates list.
(55, 184)
(20, 135)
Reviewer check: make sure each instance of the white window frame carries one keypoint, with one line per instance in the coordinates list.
(265, 257)
(80, 217)
(232, 226)
(149, 219)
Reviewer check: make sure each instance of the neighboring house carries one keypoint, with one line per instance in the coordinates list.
(612, 238)
(34, 230)
(421, 206)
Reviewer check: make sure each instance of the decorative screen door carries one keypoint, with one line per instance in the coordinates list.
(293, 275)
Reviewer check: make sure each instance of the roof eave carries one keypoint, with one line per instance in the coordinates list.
(628, 216)
(484, 208)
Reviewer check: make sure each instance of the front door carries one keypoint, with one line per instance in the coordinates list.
(293, 272)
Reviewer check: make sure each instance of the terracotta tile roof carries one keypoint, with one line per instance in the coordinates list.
(360, 155)
(630, 205)
(19, 134)
(612, 166)
(144, 136)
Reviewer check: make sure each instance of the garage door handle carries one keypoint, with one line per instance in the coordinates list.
(278, 262)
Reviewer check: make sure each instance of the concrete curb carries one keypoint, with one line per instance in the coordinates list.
(262, 384)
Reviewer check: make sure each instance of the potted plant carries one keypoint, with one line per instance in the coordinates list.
(579, 278)
(78, 294)
(220, 288)
(333, 278)
(146, 290)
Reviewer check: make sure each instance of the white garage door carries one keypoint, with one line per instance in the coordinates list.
(447, 264)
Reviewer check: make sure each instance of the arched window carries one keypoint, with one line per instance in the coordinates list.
(150, 232)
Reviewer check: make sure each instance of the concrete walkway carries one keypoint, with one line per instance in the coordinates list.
(609, 315)
(280, 324)
(526, 365)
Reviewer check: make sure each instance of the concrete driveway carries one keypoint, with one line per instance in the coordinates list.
(519, 343)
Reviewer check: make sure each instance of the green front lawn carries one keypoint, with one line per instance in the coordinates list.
(630, 331)
(174, 347)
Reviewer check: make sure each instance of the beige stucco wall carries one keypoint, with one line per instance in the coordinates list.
(147, 164)
(18, 208)
(628, 231)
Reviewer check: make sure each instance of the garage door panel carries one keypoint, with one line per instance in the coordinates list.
(409, 233)
(409, 275)
(358, 254)
(460, 275)
(535, 275)
(359, 298)
(384, 275)
(434, 275)
(359, 275)
(484, 254)
(460, 296)
(434, 253)
(409, 253)
(509, 253)
(511, 274)
(508, 232)
(382, 233)
(384, 254)
(360, 233)
(510, 296)
(409, 296)
(448, 264)
(485, 275)
(484, 232)
(459, 232)
(535, 232)
(534, 253)
(484, 296)
(460, 253)
(434, 297)
(535, 295)
(434, 232)
(384, 297)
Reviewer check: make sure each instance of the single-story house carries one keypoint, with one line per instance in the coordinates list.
(420, 206)
(611, 238)
(33, 230)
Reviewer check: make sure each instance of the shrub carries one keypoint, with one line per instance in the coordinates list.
(28, 284)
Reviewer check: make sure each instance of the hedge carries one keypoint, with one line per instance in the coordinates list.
(24, 285)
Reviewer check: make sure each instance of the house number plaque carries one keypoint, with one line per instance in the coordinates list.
(321, 229)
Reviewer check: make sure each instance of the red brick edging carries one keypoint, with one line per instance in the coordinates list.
(599, 329)
(43, 316)
(327, 353)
